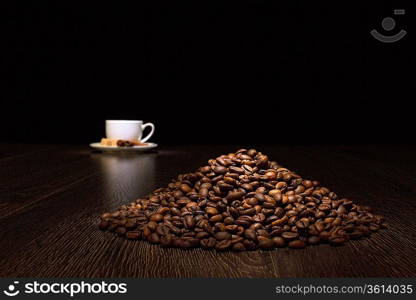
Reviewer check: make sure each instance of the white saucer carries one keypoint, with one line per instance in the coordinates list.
(103, 148)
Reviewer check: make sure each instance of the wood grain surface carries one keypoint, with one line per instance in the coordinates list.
(51, 195)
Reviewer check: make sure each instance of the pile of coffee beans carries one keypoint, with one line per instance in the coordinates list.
(242, 201)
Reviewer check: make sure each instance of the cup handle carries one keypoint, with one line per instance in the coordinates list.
(152, 129)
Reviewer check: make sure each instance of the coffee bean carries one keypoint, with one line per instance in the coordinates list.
(236, 170)
(250, 234)
(247, 186)
(266, 243)
(259, 197)
(223, 245)
(228, 221)
(281, 221)
(336, 240)
(244, 220)
(156, 218)
(364, 230)
(193, 242)
(222, 235)
(238, 247)
(279, 212)
(252, 201)
(220, 170)
(355, 235)
(105, 216)
(121, 231)
(133, 235)
(313, 240)
(233, 195)
(162, 230)
(278, 241)
(185, 188)
(297, 244)
(324, 207)
(289, 236)
(249, 211)
(271, 175)
(152, 225)
(154, 238)
(208, 243)
(216, 218)
(166, 240)
(189, 221)
(374, 227)
(211, 211)
(104, 224)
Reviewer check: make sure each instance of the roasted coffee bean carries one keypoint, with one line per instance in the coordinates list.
(313, 240)
(355, 235)
(252, 201)
(166, 240)
(324, 235)
(162, 230)
(256, 226)
(289, 236)
(297, 244)
(133, 235)
(223, 245)
(266, 243)
(238, 247)
(292, 221)
(228, 221)
(337, 240)
(270, 175)
(105, 216)
(185, 188)
(279, 212)
(242, 201)
(236, 170)
(202, 235)
(302, 224)
(234, 195)
(259, 197)
(152, 225)
(208, 243)
(324, 207)
(278, 241)
(154, 238)
(250, 234)
(189, 221)
(121, 231)
(220, 170)
(104, 224)
(281, 221)
(319, 226)
(222, 235)
(250, 211)
(156, 217)
(216, 218)
(374, 227)
(272, 218)
(211, 211)
(364, 230)
(247, 186)
(263, 233)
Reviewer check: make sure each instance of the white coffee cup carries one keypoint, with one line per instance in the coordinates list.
(127, 130)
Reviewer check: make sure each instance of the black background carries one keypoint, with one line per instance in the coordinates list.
(208, 72)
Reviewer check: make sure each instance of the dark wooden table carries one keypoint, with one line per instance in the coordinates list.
(50, 196)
